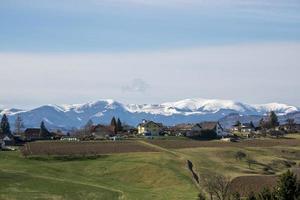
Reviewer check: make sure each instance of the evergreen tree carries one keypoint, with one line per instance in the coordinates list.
(119, 125)
(5, 127)
(238, 124)
(252, 125)
(18, 124)
(114, 124)
(44, 133)
(261, 123)
(287, 187)
(273, 119)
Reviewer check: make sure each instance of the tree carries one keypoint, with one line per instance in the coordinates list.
(18, 125)
(261, 123)
(44, 133)
(252, 125)
(287, 187)
(5, 127)
(240, 155)
(113, 123)
(119, 125)
(88, 126)
(216, 185)
(238, 124)
(290, 124)
(273, 119)
(250, 161)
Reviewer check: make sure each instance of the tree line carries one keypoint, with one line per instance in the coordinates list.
(5, 129)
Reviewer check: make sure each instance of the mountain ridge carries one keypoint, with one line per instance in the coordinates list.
(70, 116)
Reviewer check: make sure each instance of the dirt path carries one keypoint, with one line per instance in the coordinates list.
(180, 156)
(121, 197)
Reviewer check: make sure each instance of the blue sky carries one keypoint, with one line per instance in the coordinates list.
(102, 25)
(96, 33)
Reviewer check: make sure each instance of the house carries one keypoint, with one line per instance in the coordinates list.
(213, 127)
(188, 130)
(247, 128)
(291, 128)
(243, 127)
(31, 134)
(102, 131)
(236, 128)
(6, 140)
(149, 128)
(203, 130)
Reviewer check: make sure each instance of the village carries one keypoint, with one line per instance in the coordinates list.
(207, 130)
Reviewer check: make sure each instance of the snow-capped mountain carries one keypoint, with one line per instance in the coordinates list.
(184, 111)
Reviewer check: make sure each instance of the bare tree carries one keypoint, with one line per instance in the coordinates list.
(250, 161)
(18, 125)
(216, 185)
(87, 127)
(290, 124)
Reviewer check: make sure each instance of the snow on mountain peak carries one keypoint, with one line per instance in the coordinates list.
(79, 107)
(205, 105)
(279, 108)
(184, 111)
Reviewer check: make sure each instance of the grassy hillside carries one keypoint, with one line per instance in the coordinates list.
(124, 176)
(151, 175)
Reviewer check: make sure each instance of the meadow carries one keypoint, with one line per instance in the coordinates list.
(156, 171)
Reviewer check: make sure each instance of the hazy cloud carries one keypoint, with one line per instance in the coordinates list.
(136, 85)
(254, 73)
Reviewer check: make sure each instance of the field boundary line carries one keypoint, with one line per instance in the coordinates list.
(160, 148)
(182, 157)
(122, 197)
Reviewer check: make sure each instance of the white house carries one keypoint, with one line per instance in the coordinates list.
(149, 128)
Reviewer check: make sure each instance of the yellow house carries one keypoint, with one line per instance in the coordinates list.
(149, 128)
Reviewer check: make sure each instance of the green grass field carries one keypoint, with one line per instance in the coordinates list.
(158, 175)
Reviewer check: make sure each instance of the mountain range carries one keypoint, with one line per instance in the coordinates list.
(66, 117)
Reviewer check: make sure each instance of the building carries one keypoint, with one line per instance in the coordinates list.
(189, 130)
(102, 131)
(247, 128)
(6, 140)
(31, 134)
(149, 128)
(202, 130)
(243, 127)
(213, 127)
(291, 128)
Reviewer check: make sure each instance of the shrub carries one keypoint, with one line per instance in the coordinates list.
(201, 196)
(236, 196)
(240, 155)
(251, 196)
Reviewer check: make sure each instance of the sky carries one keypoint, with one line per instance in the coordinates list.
(148, 51)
